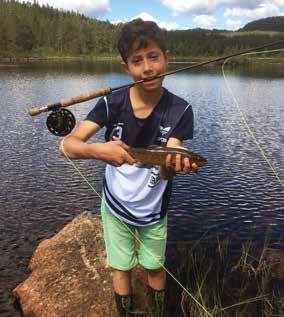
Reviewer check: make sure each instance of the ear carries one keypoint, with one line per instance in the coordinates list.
(125, 67)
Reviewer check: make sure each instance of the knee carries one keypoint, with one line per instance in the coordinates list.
(121, 272)
(156, 272)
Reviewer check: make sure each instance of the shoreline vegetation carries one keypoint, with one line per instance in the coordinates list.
(18, 60)
(230, 278)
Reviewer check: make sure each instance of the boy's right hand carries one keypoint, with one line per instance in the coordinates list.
(113, 152)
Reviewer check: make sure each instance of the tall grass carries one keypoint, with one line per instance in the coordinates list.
(229, 279)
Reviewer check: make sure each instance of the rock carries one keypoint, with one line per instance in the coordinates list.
(69, 275)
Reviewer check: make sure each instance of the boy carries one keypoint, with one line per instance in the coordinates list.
(136, 198)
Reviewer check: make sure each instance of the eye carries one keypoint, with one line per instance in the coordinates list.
(154, 55)
(135, 60)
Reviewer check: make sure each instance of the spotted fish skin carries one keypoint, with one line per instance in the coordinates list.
(156, 155)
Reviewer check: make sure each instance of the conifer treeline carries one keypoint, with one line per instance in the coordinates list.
(215, 43)
(33, 29)
(267, 24)
(25, 27)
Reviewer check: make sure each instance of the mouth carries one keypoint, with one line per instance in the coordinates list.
(148, 81)
(150, 78)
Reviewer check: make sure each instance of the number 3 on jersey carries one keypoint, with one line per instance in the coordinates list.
(116, 133)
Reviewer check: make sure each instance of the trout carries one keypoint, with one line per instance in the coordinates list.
(156, 155)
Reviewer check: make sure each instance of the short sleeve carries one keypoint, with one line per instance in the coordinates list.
(99, 113)
(184, 128)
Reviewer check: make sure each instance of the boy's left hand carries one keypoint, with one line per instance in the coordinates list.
(180, 164)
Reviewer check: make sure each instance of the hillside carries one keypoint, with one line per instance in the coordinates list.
(273, 24)
(42, 31)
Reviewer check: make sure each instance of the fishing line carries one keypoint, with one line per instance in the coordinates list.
(250, 132)
(245, 121)
(137, 239)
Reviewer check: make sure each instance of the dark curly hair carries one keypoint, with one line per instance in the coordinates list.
(140, 31)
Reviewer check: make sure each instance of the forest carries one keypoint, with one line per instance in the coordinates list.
(30, 29)
(268, 24)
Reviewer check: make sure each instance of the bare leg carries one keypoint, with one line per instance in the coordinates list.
(156, 292)
(157, 279)
(122, 292)
(122, 282)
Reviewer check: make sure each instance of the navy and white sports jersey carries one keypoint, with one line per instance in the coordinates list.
(139, 196)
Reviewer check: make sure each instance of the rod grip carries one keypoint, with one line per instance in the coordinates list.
(85, 97)
(34, 111)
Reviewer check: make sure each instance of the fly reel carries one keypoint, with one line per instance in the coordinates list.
(60, 122)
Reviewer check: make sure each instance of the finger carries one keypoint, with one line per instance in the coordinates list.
(169, 160)
(167, 172)
(194, 167)
(186, 165)
(113, 163)
(129, 159)
(178, 163)
(122, 144)
(164, 172)
(171, 172)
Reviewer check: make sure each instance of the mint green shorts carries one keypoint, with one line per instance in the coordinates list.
(121, 250)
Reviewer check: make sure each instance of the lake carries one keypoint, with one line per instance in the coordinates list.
(236, 194)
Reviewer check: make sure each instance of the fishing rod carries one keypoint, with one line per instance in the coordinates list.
(61, 121)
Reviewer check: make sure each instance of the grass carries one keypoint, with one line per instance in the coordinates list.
(250, 33)
(229, 280)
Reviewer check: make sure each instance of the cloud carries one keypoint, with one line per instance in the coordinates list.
(279, 2)
(165, 25)
(91, 8)
(263, 11)
(168, 26)
(194, 6)
(204, 21)
(234, 24)
(148, 17)
(208, 7)
(144, 16)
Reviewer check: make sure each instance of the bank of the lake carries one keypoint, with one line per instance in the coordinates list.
(19, 59)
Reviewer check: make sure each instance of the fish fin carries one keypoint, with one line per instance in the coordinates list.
(156, 147)
(138, 164)
(183, 148)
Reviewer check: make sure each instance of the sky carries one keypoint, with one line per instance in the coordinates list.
(176, 14)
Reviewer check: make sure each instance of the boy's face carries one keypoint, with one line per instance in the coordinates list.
(147, 62)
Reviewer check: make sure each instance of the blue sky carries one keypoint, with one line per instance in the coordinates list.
(177, 14)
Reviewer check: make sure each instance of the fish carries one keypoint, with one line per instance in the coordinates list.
(155, 155)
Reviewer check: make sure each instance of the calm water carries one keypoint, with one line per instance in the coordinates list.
(236, 194)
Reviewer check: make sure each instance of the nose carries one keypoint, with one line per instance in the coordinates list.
(147, 67)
